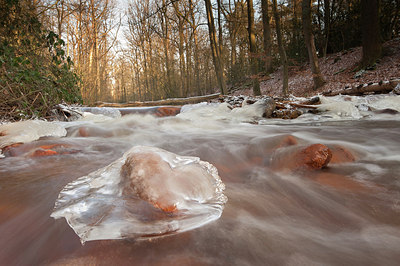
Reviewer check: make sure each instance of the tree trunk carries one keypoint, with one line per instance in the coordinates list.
(181, 57)
(220, 38)
(182, 66)
(172, 101)
(214, 47)
(378, 87)
(152, 79)
(139, 85)
(94, 60)
(145, 73)
(164, 25)
(60, 17)
(371, 39)
(232, 38)
(253, 48)
(309, 40)
(267, 36)
(189, 65)
(196, 49)
(327, 23)
(296, 27)
(282, 52)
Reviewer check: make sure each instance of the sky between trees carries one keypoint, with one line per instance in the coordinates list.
(149, 50)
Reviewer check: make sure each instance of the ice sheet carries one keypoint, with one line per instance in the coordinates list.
(27, 131)
(148, 192)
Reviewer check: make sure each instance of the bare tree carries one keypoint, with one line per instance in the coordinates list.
(371, 39)
(267, 36)
(253, 48)
(235, 17)
(194, 26)
(309, 40)
(214, 47)
(327, 25)
(181, 23)
(282, 52)
(165, 21)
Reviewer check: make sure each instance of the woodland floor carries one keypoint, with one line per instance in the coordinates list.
(339, 70)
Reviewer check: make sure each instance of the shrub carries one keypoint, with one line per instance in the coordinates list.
(35, 73)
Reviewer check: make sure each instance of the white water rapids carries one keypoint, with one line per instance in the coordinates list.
(345, 214)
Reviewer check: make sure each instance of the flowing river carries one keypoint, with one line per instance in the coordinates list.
(347, 213)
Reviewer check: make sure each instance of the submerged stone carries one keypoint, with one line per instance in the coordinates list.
(149, 192)
(35, 149)
(315, 156)
(166, 186)
(341, 154)
(167, 111)
(342, 182)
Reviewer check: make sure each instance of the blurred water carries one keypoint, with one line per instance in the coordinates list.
(346, 214)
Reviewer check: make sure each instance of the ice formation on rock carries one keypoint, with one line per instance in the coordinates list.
(148, 192)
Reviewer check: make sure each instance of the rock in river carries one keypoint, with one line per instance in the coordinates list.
(148, 192)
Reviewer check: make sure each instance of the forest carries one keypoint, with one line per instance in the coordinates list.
(77, 51)
(199, 132)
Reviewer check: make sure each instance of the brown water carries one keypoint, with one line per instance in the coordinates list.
(347, 214)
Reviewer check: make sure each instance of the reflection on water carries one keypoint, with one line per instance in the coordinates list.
(346, 214)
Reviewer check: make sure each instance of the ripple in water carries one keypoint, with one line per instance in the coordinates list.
(149, 192)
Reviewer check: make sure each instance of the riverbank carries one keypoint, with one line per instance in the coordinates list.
(340, 70)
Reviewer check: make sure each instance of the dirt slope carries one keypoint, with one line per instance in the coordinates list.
(339, 70)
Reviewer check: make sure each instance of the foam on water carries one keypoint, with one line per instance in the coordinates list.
(103, 111)
(339, 107)
(27, 131)
(384, 102)
(347, 108)
(223, 112)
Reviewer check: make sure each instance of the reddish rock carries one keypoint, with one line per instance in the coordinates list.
(83, 132)
(139, 166)
(341, 154)
(287, 141)
(237, 167)
(287, 113)
(341, 182)
(53, 146)
(165, 208)
(167, 111)
(41, 152)
(34, 150)
(315, 156)
(92, 131)
(53, 149)
(11, 150)
(258, 153)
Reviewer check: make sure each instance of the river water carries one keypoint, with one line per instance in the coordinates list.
(345, 214)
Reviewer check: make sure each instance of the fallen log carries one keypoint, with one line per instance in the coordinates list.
(313, 100)
(303, 105)
(379, 87)
(171, 101)
(283, 105)
(159, 111)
